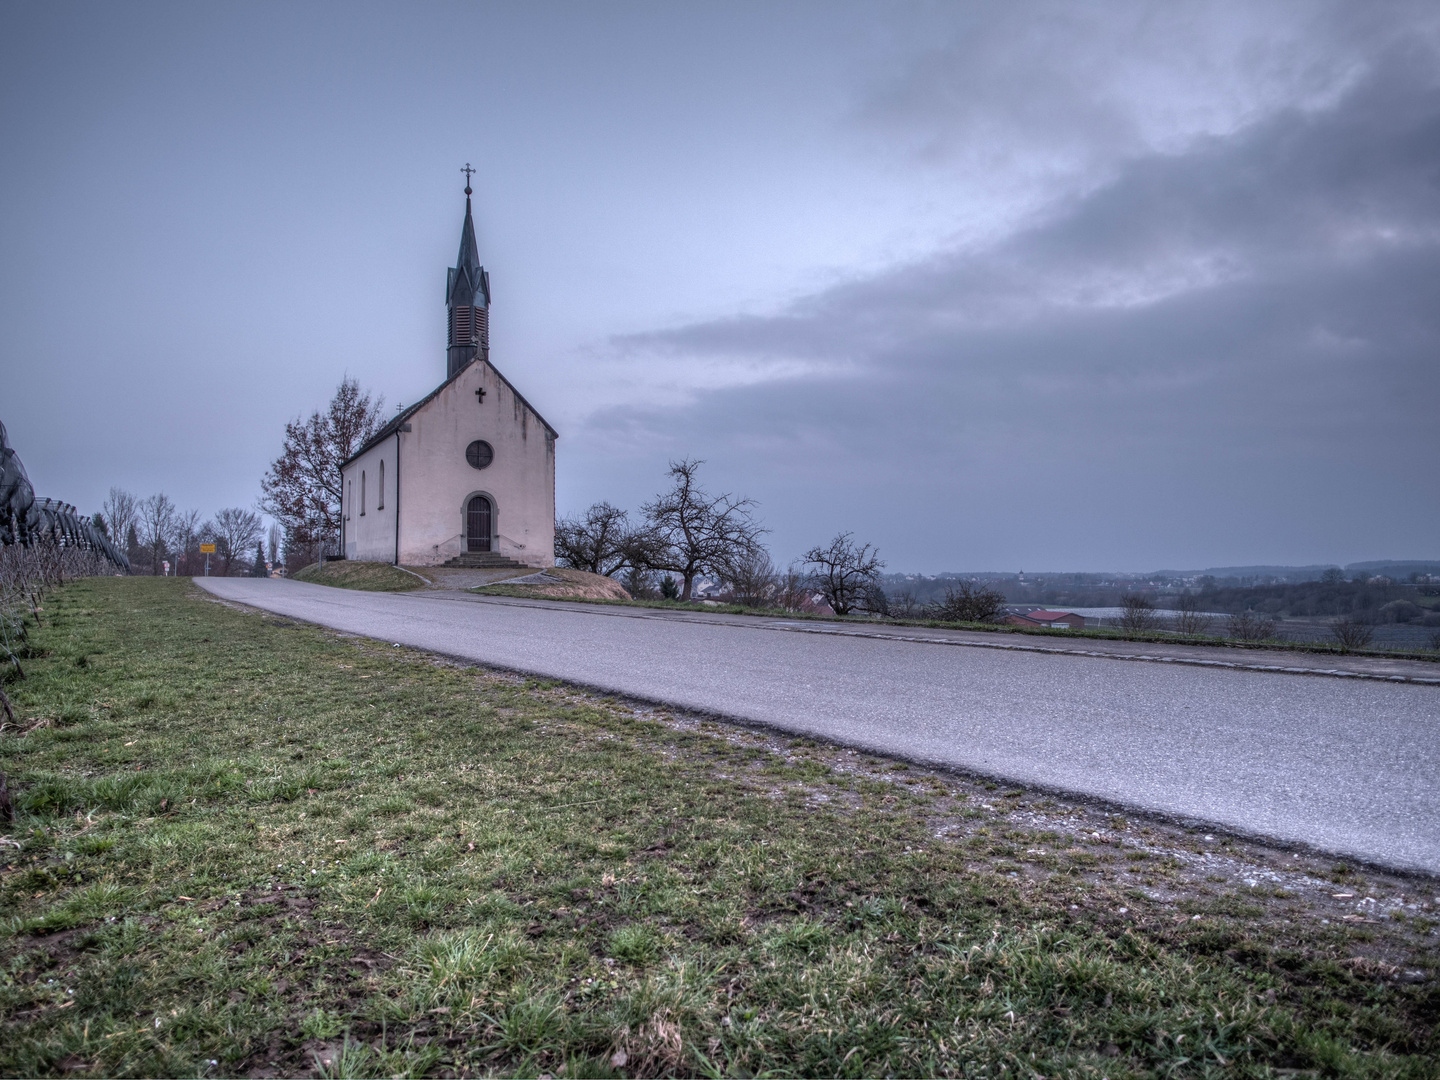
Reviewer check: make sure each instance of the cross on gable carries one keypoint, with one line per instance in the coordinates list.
(480, 395)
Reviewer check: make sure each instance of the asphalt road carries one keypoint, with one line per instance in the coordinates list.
(1344, 765)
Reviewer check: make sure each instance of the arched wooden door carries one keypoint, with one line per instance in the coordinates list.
(477, 524)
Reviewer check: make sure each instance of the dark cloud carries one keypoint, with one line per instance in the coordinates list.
(1222, 354)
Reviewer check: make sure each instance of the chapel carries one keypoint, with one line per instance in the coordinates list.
(465, 476)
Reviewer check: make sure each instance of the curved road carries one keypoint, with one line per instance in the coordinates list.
(1347, 766)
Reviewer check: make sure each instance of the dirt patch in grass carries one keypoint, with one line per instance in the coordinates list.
(561, 583)
(247, 847)
(366, 576)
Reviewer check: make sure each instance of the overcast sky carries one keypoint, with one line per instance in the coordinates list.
(995, 286)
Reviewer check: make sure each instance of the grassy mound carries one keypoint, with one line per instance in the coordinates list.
(369, 576)
(565, 584)
(248, 847)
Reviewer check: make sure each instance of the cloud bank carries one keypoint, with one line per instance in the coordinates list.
(1227, 350)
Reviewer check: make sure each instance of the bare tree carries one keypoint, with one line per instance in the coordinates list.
(120, 509)
(1250, 626)
(1137, 614)
(187, 535)
(272, 544)
(968, 601)
(753, 581)
(689, 532)
(905, 605)
(1352, 632)
(302, 489)
(1189, 619)
(601, 541)
(843, 573)
(235, 530)
(157, 521)
(792, 589)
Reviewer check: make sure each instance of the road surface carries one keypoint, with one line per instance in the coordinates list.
(1346, 765)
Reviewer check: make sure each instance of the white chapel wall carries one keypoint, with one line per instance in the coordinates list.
(370, 535)
(438, 481)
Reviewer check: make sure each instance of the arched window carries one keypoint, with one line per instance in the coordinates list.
(349, 498)
(380, 494)
(362, 494)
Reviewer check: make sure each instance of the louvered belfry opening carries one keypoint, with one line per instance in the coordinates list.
(469, 326)
(477, 524)
(462, 325)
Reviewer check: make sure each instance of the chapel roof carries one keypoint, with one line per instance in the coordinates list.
(404, 414)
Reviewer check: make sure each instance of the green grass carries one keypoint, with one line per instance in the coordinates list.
(246, 845)
(368, 576)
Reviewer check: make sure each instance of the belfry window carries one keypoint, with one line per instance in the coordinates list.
(349, 498)
(362, 494)
(380, 492)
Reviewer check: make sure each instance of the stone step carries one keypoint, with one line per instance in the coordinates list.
(484, 560)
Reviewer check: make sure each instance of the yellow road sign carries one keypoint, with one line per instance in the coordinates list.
(207, 549)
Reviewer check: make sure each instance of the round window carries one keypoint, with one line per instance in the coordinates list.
(479, 454)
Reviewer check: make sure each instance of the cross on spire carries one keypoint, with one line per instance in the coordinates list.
(468, 171)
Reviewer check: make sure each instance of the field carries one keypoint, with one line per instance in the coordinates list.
(248, 847)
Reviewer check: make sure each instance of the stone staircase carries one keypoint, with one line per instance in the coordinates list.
(484, 560)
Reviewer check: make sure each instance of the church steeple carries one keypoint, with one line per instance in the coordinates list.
(467, 295)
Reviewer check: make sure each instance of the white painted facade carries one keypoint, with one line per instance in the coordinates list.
(416, 515)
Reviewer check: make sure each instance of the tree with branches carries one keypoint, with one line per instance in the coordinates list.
(1137, 614)
(157, 522)
(843, 573)
(968, 601)
(601, 541)
(689, 532)
(302, 488)
(120, 509)
(187, 536)
(235, 529)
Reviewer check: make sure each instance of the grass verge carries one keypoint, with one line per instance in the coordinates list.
(247, 847)
(367, 576)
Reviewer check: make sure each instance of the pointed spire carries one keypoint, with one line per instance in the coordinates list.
(467, 294)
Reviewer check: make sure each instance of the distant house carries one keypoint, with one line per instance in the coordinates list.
(1040, 617)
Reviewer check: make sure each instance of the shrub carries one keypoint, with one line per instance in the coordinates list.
(1137, 614)
(1351, 633)
(1250, 626)
(968, 602)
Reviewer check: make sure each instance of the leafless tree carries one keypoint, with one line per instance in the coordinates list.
(968, 601)
(121, 511)
(187, 536)
(753, 581)
(1352, 632)
(688, 532)
(1250, 626)
(601, 541)
(905, 605)
(272, 544)
(302, 489)
(235, 530)
(1137, 614)
(792, 589)
(844, 573)
(157, 522)
(1189, 619)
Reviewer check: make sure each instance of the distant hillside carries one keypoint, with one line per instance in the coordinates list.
(1399, 569)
